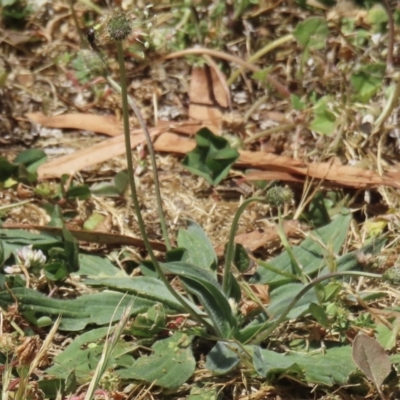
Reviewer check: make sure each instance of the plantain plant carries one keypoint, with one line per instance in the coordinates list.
(303, 281)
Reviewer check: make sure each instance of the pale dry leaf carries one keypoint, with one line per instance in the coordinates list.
(106, 124)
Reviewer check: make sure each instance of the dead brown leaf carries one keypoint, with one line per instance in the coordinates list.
(262, 292)
(208, 98)
(100, 152)
(106, 124)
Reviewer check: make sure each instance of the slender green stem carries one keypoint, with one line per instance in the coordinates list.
(299, 272)
(124, 96)
(267, 332)
(226, 284)
(150, 146)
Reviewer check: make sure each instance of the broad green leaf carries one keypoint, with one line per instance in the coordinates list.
(212, 158)
(7, 169)
(83, 355)
(97, 308)
(395, 358)
(52, 387)
(24, 166)
(310, 254)
(324, 120)
(297, 103)
(71, 383)
(208, 291)
(333, 367)
(150, 323)
(143, 286)
(386, 336)
(223, 358)
(199, 250)
(56, 271)
(312, 33)
(176, 254)
(367, 81)
(147, 269)
(371, 358)
(32, 159)
(323, 123)
(318, 312)
(92, 266)
(331, 290)
(317, 214)
(14, 239)
(377, 16)
(121, 181)
(105, 189)
(80, 192)
(269, 363)
(170, 366)
(114, 188)
(283, 295)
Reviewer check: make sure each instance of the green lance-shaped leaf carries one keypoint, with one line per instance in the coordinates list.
(223, 358)
(328, 368)
(205, 287)
(97, 308)
(144, 287)
(199, 250)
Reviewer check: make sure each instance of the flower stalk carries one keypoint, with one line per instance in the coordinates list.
(132, 185)
(230, 249)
